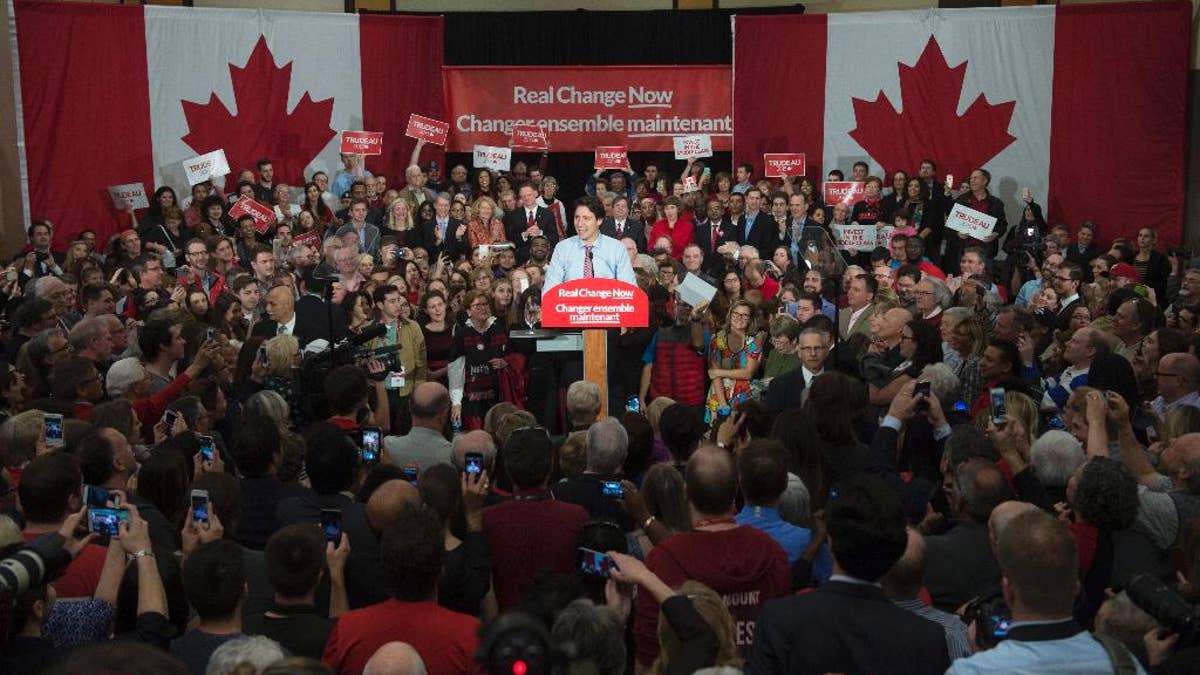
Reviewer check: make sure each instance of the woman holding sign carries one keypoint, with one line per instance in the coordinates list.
(978, 199)
(733, 358)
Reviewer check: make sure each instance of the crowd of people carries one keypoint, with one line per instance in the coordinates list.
(333, 446)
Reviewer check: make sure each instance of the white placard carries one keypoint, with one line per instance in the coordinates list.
(974, 224)
(493, 157)
(694, 290)
(207, 166)
(855, 237)
(131, 194)
(692, 147)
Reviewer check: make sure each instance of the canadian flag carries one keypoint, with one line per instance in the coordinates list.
(1083, 104)
(118, 94)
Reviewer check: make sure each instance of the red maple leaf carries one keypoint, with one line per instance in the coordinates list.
(262, 127)
(930, 126)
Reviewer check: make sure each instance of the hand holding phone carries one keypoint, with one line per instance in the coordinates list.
(52, 425)
(595, 563)
(331, 525)
(474, 465)
(200, 508)
(107, 521)
(999, 412)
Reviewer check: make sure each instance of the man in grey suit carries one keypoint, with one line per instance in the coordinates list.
(860, 305)
(426, 444)
(621, 225)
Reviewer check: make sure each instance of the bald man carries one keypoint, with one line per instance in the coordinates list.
(478, 441)
(388, 501)
(902, 584)
(1178, 377)
(1002, 515)
(739, 562)
(281, 313)
(426, 444)
(395, 658)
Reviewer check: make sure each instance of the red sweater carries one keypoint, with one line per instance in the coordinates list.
(681, 235)
(532, 532)
(82, 575)
(745, 566)
(446, 640)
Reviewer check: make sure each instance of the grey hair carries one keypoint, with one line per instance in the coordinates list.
(596, 634)
(607, 446)
(583, 399)
(748, 249)
(941, 293)
(254, 650)
(942, 381)
(39, 345)
(85, 331)
(1056, 455)
(271, 404)
(795, 504)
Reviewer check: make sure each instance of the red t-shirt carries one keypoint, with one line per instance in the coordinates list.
(445, 640)
(745, 566)
(532, 532)
(769, 288)
(82, 575)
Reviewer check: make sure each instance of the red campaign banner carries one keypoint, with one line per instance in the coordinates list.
(611, 157)
(529, 137)
(783, 164)
(595, 303)
(423, 128)
(310, 238)
(848, 191)
(641, 107)
(362, 142)
(264, 216)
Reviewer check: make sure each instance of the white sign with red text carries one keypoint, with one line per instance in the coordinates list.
(132, 194)
(529, 137)
(492, 157)
(783, 164)
(844, 192)
(362, 142)
(855, 237)
(206, 167)
(883, 235)
(690, 184)
(426, 129)
(693, 147)
(611, 157)
(264, 216)
(974, 224)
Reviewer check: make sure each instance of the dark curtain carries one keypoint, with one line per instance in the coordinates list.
(592, 38)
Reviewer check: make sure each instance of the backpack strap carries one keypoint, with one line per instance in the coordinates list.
(1122, 661)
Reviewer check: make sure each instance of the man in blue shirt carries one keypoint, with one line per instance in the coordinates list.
(588, 253)
(762, 472)
(1039, 566)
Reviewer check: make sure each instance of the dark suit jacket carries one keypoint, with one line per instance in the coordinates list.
(312, 319)
(515, 224)
(786, 391)
(1064, 315)
(267, 327)
(958, 564)
(760, 234)
(634, 229)
(374, 216)
(451, 246)
(702, 235)
(845, 628)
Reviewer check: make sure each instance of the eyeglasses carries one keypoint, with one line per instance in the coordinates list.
(741, 315)
(479, 305)
(810, 348)
(920, 292)
(1162, 374)
(1063, 278)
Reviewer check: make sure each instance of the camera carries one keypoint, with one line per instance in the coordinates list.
(1167, 607)
(991, 617)
(1181, 252)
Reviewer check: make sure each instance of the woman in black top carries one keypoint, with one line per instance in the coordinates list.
(466, 582)
(1153, 266)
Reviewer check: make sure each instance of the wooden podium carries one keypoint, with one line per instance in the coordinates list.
(595, 305)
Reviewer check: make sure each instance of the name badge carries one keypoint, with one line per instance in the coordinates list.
(394, 381)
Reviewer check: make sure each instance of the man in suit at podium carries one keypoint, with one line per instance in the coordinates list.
(588, 253)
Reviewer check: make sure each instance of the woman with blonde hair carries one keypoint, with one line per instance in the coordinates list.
(967, 339)
(485, 228)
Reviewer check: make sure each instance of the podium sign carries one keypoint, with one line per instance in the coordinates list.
(595, 303)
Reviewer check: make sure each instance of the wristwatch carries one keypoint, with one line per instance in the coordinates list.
(144, 553)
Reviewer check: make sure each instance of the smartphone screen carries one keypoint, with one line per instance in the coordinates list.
(207, 448)
(107, 521)
(474, 462)
(369, 442)
(998, 409)
(169, 418)
(922, 389)
(95, 497)
(200, 507)
(634, 404)
(612, 488)
(594, 563)
(331, 525)
(53, 424)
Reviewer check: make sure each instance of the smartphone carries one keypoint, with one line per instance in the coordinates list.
(792, 308)
(595, 563)
(331, 525)
(53, 425)
(200, 508)
(208, 448)
(211, 334)
(368, 442)
(262, 353)
(95, 497)
(474, 462)
(998, 409)
(633, 404)
(107, 521)
(411, 472)
(169, 418)
(612, 488)
(922, 389)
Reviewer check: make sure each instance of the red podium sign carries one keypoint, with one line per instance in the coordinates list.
(595, 303)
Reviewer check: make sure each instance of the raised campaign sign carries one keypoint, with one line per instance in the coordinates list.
(974, 224)
(783, 164)
(206, 167)
(844, 192)
(595, 303)
(262, 214)
(362, 142)
(426, 129)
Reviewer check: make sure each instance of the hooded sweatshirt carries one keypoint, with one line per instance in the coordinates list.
(745, 566)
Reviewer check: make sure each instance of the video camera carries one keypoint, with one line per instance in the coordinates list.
(1167, 607)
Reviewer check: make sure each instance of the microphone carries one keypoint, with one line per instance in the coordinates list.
(369, 333)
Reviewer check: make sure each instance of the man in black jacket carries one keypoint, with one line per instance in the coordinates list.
(848, 625)
(621, 225)
(529, 220)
